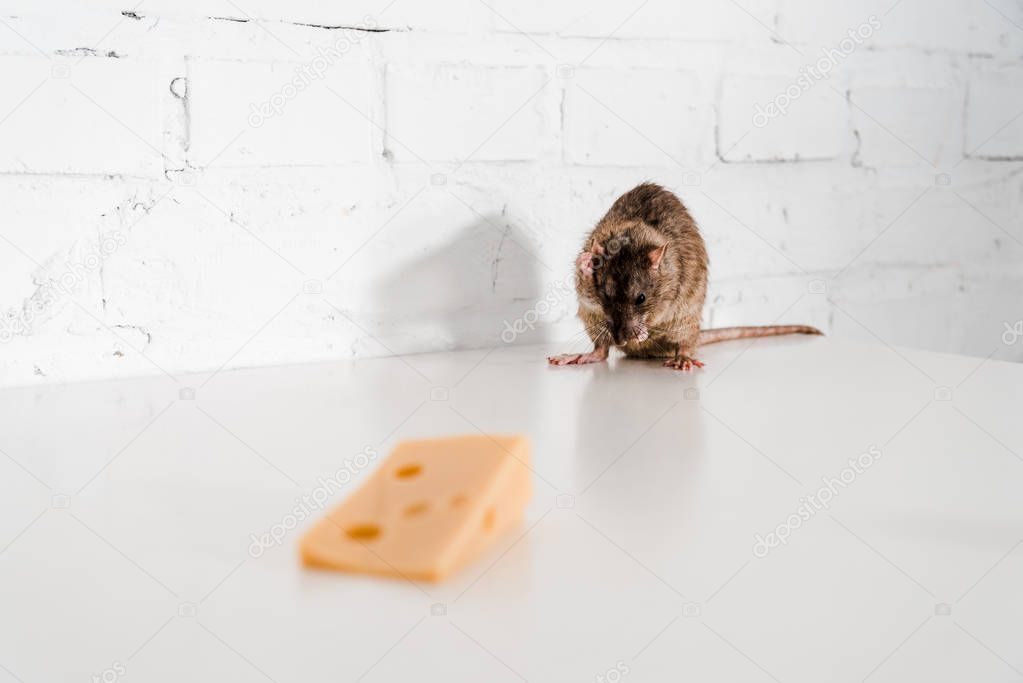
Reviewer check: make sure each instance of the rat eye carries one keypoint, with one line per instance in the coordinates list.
(640, 299)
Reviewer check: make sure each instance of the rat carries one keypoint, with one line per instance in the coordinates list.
(641, 280)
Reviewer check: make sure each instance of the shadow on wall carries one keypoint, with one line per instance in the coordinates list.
(462, 293)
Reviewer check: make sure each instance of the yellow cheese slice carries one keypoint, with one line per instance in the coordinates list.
(432, 507)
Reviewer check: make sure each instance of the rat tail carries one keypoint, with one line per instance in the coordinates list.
(721, 334)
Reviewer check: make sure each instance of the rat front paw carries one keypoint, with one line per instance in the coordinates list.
(683, 363)
(576, 358)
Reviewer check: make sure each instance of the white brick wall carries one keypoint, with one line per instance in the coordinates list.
(637, 117)
(812, 126)
(189, 184)
(110, 133)
(259, 102)
(994, 130)
(457, 112)
(917, 130)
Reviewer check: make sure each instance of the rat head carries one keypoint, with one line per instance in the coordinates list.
(624, 277)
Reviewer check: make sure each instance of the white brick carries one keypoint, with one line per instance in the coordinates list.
(71, 228)
(683, 19)
(780, 227)
(826, 24)
(994, 115)
(637, 117)
(440, 15)
(279, 122)
(202, 274)
(52, 224)
(66, 115)
(940, 228)
(158, 34)
(742, 21)
(756, 300)
(933, 308)
(572, 17)
(314, 218)
(299, 10)
(908, 126)
(916, 69)
(960, 25)
(443, 112)
(814, 125)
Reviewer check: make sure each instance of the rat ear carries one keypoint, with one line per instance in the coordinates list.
(585, 262)
(656, 255)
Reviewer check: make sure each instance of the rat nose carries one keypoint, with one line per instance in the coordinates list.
(623, 332)
(628, 330)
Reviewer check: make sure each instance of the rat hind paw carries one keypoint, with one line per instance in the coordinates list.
(683, 363)
(576, 358)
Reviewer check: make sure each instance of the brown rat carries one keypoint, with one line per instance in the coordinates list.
(642, 280)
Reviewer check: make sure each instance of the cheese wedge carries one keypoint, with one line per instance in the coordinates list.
(432, 507)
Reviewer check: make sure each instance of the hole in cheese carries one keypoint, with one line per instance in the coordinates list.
(363, 532)
(408, 471)
(417, 508)
(488, 519)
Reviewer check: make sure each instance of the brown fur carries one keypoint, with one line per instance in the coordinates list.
(648, 244)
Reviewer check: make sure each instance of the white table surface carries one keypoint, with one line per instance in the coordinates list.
(128, 511)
